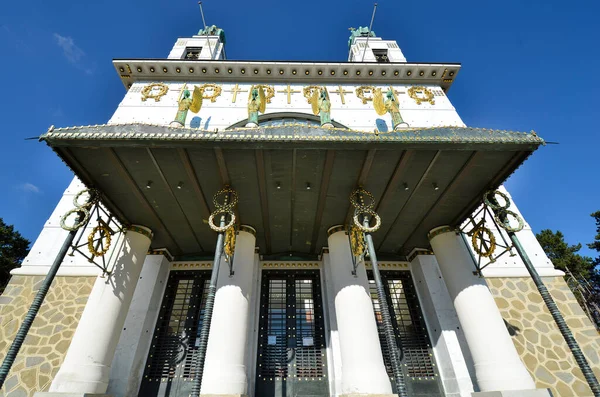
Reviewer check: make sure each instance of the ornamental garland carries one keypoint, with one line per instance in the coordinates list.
(428, 95)
(100, 228)
(478, 234)
(148, 91)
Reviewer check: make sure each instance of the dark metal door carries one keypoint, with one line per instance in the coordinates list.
(291, 344)
(171, 361)
(420, 370)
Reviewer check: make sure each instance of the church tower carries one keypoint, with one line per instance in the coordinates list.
(286, 228)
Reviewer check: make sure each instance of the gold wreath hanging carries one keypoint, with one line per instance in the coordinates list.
(100, 228)
(223, 208)
(478, 233)
(80, 209)
(211, 94)
(230, 242)
(365, 89)
(358, 241)
(428, 95)
(364, 209)
(269, 91)
(148, 92)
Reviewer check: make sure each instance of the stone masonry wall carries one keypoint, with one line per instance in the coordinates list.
(537, 338)
(49, 338)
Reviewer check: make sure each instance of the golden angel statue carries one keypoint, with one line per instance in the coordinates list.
(389, 105)
(321, 105)
(186, 103)
(256, 103)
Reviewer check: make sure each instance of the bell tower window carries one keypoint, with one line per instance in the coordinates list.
(381, 55)
(193, 52)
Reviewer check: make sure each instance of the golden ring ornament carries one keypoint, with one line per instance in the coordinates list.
(210, 91)
(103, 228)
(233, 199)
(478, 234)
(358, 206)
(155, 91)
(221, 229)
(80, 208)
(487, 200)
(373, 214)
(414, 92)
(365, 89)
(505, 225)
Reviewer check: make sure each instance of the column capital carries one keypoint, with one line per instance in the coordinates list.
(440, 230)
(334, 229)
(247, 229)
(418, 251)
(143, 230)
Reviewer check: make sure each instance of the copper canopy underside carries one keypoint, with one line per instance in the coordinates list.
(293, 181)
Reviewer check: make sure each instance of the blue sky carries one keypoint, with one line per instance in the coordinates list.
(527, 65)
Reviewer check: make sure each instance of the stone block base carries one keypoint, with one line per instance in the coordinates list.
(61, 394)
(514, 393)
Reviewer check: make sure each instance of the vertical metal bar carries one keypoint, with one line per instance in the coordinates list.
(14, 348)
(388, 328)
(558, 318)
(369, 32)
(208, 312)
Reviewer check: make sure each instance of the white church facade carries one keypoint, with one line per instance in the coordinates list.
(361, 248)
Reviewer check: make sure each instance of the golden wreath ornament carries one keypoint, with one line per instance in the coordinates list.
(501, 212)
(414, 92)
(365, 89)
(155, 91)
(225, 207)
(269, 91)
(308, 91)
(105, 233)
(210, 91)
(478, 234)
(360, 208)
(80, 209)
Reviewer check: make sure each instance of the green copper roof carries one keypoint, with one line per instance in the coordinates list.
(362, 31)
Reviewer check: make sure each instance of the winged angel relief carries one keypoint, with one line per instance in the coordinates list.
(389, 105)
(257, 102)
(321, 105)
(193, 102)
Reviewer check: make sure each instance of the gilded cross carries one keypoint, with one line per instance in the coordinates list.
(235, 91)
(289, 93)
(397, 92)
(342, 92)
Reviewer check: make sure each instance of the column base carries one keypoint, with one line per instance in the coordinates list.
(514, 393)
(65, 394)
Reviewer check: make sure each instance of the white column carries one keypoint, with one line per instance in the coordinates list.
(86, 368)
(496, 361)
(363, 371)
(225, 365)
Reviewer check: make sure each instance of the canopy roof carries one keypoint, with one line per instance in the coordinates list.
(293, 180)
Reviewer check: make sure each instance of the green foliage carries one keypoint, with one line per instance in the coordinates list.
(13, 249)
(595, 245)
(563, 255)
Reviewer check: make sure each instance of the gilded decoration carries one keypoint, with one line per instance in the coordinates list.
(537, 338)
(269, 91)
(209, 91)
(155, 91)
(104, 231)
(477, 239)
(365, 89)
(308, 92)
(421, 94)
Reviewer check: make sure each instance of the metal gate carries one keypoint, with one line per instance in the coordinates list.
(291, 344)
(417, 361)
(171, 361)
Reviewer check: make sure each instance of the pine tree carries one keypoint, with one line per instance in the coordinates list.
(13, 249)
